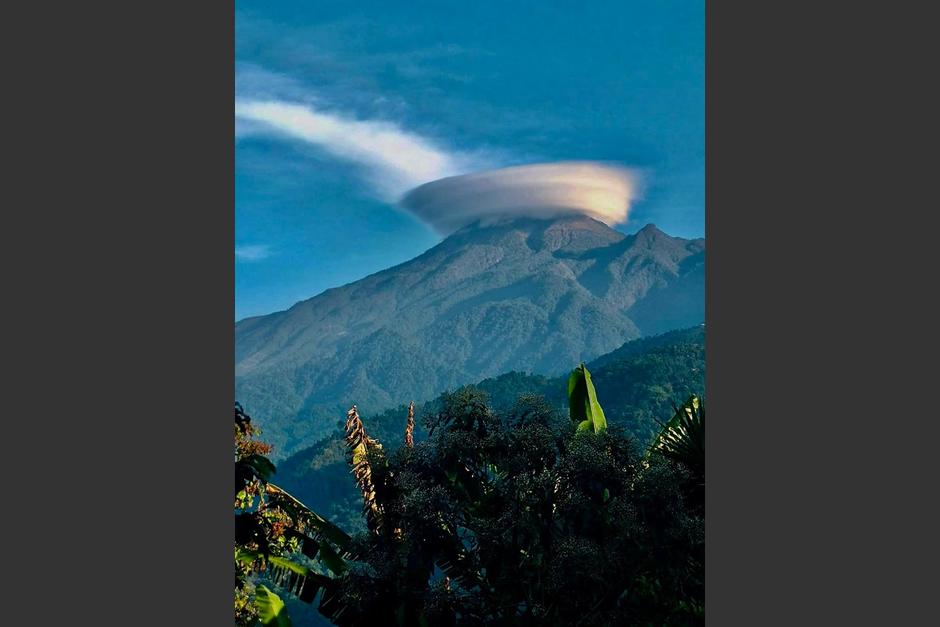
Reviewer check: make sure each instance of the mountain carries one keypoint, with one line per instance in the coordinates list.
(535, 295)
(637, 385)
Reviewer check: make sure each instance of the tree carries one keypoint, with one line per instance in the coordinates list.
(522, 518)
(277, 538)
(682, 440)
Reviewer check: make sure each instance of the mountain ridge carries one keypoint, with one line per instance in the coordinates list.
(495, 296)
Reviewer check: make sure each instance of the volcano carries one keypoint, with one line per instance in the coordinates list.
(525, 294)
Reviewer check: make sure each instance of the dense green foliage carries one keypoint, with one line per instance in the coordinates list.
(518, 518)
(515, 517)
(639, 382)
(501, 512)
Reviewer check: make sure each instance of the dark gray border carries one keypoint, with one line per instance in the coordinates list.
(818, 443)
(118, 308)
(119, 300)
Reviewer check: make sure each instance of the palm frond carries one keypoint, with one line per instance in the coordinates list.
(683, 438)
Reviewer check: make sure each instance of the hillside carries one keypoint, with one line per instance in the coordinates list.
(521, 295)
(637, 385)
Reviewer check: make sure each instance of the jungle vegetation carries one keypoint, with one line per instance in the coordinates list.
(515, 517)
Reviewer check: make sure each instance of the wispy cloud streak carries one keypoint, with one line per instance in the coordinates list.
(255, 252)
(395, 159)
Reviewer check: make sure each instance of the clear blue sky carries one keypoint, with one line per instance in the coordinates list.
(341, 106)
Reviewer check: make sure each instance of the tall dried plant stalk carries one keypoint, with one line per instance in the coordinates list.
(359, 445)
(410, 429)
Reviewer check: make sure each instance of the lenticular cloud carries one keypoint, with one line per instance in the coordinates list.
(598, 190)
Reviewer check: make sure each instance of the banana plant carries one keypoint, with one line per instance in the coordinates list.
(273, 530)
(270, 607)
(584, 408)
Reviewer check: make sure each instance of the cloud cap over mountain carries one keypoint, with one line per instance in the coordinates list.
(542, 190)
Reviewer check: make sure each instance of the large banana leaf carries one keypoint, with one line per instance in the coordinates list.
(295, 578)
(271, 610)
(585, 410)
(332, 560)
(320, 526)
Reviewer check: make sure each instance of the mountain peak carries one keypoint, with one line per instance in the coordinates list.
(522, 293)
(572, 232)
(570, 219)
(575, 234)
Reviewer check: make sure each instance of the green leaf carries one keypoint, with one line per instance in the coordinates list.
(331, 559)
(309, 546)
(260, 466)
(271, 610)
(585, 409)
(296, 579)
(278, 497)
(287, 564)
(683, 437)
(245, 556)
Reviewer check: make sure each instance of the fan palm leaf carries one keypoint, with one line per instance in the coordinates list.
(682, 439)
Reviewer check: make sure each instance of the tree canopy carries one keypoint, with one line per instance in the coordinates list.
(515, 517)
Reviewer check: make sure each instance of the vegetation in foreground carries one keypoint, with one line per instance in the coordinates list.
(640, 384)
(518, 517)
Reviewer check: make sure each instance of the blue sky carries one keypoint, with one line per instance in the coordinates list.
(341, 107)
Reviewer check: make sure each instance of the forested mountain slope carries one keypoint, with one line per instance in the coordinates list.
(516, 295)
